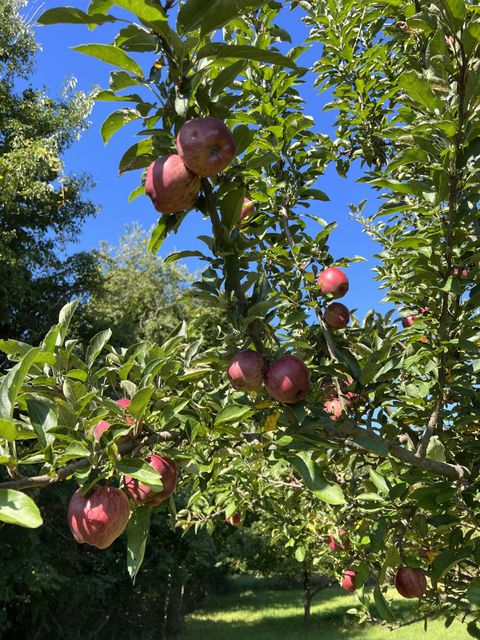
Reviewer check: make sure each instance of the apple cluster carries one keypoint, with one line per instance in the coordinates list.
(287, 379)
(205, 147)
(100, 515)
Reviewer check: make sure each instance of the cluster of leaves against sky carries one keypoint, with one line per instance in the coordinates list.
(399, 469)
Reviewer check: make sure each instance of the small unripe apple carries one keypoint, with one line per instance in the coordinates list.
(206, 146)
(142, 493)
(170, 185)
(98, 517)
(333, 544)
(349, 580)
(333, 281)
(234, 519)
(246, 370)
(410, 583)
(336, 315)
(288, 380)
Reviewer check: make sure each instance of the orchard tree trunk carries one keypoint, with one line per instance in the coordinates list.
(307, 597)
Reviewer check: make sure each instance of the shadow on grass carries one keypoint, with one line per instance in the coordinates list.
(235, 617)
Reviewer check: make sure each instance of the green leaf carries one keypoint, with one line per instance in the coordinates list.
(436, 450)
(329, 492)
(64, 318)
(418, 88)
(111, 55)
(211, 15)
(8, 430)
(42, 418)
(142, 471)
(137, 535)
(140, 401)
(71, 15)
(445, 561)
(473, 592)
(456, 11)
(372, 444)
(226, 77)
(165, 224)
(300, 554)
(382, 605)
(232, 413)
(12, 383)
(116, 121)
(97, 343)
(379, 481)
(149, 12)
(245, 52)
(17, 508)
(231, 207)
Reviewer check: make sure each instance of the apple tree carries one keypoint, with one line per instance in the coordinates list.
(374, 424)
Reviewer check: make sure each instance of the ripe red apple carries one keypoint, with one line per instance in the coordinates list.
(333, 544)
(144, 494)
(103, 425)
(336, 315)
(333, 406)
(408, 321)
(288, 380)
(461, 272)
(410, 583)
(333, 281)
(349, 580)
(206, 146)
(170, 185)
(234, 519)
(99, 517)
(246, 370)
(247, 209)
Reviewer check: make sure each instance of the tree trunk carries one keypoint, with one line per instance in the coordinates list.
(307, 597)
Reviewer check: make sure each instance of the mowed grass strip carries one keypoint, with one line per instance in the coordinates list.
(278, 615)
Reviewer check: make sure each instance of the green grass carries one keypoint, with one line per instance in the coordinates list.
(277, 615)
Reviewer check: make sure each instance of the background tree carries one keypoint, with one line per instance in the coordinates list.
(140, 296)
(42, 208)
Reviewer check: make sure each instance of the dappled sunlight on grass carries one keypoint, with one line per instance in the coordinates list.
(277, 615)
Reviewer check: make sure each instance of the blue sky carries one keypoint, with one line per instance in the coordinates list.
(57, 62)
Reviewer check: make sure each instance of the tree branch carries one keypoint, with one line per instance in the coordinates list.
(235, 282)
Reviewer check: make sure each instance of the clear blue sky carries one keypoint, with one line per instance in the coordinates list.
(57, 62)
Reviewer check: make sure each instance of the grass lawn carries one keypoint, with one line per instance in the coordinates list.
(277, 615)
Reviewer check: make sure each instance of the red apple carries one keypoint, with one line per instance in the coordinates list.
(333, 544)
(333, 406)
(206, 146)
(103, 425)
(99, 517)
(461, 272)
(410, 583)
(288, 380)
(170, 185)
(247, 209)
(408, 321)
(246, 370)
(333, 281)
(349, 580)
(234, 519)
(144, 494)
(336, 315)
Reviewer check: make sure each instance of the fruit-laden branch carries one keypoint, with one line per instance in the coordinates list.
(235, 282)
(349, 432)
(34, 482)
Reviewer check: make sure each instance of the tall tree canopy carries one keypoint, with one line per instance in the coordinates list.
(41, 207)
